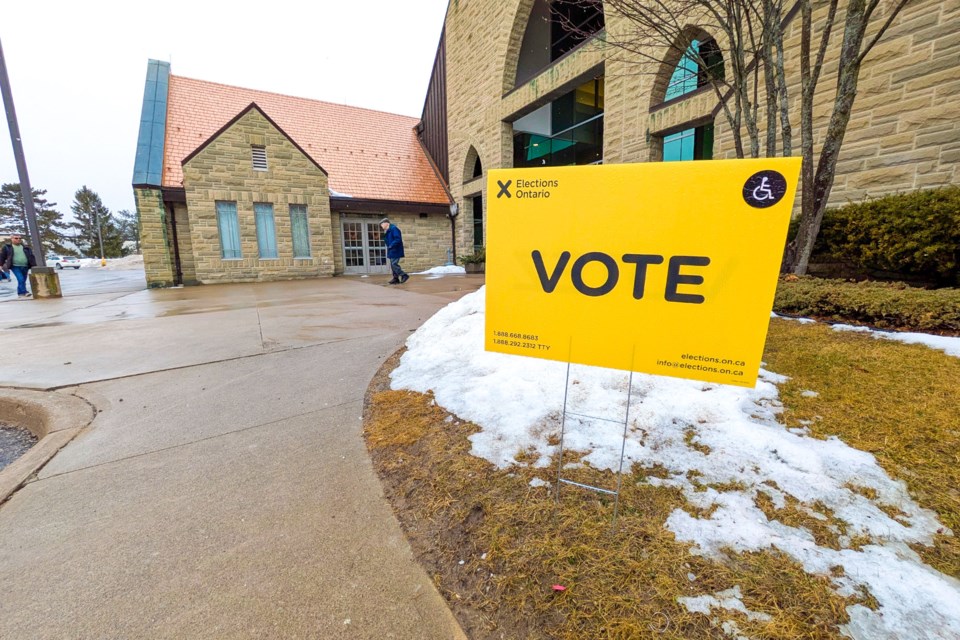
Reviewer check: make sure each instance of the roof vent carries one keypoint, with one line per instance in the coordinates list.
(259, 158)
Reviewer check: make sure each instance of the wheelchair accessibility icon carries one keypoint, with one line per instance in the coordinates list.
(764, 189)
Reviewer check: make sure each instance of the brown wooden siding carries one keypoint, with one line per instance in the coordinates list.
(432, 128)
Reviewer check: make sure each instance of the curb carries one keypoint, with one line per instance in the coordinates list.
(53, 417)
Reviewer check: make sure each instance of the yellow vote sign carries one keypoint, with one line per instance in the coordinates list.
(662, 268)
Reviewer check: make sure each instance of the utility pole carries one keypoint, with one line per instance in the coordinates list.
(48, 282)
(96, 218)
(21, 161)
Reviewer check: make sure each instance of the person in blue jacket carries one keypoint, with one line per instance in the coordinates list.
(394, 240)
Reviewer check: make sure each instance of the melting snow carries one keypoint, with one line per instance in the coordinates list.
(728, 435)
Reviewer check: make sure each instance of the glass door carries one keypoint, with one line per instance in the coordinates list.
(364, 250)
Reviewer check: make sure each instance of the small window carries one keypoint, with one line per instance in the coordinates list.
(266, 231)
(691, 144)
(229, 230)
(259, 158)
(300, 230)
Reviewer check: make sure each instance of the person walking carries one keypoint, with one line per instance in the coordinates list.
(394, 240)
(18, 257)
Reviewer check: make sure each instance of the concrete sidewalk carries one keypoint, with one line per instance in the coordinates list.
(223, 490)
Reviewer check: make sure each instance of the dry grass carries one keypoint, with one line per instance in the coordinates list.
(826, 532)
(899, 402)
(496, 546)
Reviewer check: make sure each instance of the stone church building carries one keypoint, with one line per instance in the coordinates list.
(240, 185)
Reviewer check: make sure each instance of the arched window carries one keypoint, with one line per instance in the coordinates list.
(701, 61)
(473, 202)
(555, 27)
(472, 165)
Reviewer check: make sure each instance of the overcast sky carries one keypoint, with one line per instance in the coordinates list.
(77, 71)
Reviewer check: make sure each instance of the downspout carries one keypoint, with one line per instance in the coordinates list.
(178, 276)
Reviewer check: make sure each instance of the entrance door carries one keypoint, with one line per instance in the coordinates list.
(364, 250)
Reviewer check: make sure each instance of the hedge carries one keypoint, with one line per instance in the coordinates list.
(913, 235)
(878, 304)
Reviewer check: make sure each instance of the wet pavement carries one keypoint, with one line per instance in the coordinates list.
(109, 335)
(87, 281)
(223, 489)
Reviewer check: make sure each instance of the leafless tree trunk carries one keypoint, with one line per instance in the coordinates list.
(818, 184)
(754, 31)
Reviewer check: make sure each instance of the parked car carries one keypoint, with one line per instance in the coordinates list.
(61, 262)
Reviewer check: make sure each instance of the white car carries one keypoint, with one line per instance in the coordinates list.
(61, 262)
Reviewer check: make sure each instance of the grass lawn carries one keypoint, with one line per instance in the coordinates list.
(496, 546)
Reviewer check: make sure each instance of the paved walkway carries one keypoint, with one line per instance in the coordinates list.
(224, 490)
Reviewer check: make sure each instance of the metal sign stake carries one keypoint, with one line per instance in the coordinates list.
(623, 446)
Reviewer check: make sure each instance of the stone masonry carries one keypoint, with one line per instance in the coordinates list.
(157, 262)
(904, 133)
(223, 170)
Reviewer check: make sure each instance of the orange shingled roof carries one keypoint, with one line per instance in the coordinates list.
(367, 154)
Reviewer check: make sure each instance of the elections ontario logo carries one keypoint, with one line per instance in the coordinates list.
(764, 189)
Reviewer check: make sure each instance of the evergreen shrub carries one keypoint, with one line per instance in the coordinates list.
(913, 235)
(886, 305)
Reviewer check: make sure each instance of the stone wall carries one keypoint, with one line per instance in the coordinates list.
(483, 41)
(904, 133)
(157, 259)
(223, 171)
(426, 240)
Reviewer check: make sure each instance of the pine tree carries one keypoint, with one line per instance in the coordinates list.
(129, 224)
(88, 210)
(13, 218)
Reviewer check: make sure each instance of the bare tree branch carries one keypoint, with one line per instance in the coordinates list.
(824, 44)
(653, 33)
(886, 25)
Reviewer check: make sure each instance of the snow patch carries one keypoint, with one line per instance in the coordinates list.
(444, 270)
(947, 344)
(729, 600)
(792, 319)
(727, 435)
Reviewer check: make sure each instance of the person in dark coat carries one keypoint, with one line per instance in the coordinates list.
(5, 276)
(18, 257)
(394, 240)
